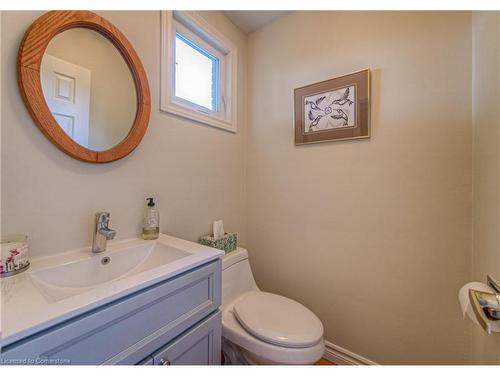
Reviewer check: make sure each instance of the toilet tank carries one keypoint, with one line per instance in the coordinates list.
(237, 277)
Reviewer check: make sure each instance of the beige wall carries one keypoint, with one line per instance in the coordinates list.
(373, 235)
(486, 125)
(112, 91)
(194, 171)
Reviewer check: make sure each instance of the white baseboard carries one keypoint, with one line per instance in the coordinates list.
(341, 356)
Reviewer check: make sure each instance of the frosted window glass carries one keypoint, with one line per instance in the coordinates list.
(196, 73)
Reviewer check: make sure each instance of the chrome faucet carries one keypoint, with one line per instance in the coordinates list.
(101, 232)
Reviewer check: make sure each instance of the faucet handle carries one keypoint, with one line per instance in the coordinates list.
(102, 217)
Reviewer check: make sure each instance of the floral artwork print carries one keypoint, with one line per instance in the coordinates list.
(330, 110)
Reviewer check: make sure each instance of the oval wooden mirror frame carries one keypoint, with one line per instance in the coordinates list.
(29, 59)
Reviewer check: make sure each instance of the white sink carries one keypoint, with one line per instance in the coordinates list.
(69, 279)
(59, 287)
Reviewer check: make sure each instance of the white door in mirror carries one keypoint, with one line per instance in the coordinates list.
(66, 88)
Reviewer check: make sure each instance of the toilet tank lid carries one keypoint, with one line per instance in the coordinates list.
(234, 257)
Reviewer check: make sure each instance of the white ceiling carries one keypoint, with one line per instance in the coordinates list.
(251, 20)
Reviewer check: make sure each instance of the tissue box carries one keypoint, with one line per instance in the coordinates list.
(227, 242)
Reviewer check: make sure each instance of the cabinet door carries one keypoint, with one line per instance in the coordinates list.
(146, 361)
(201, 345)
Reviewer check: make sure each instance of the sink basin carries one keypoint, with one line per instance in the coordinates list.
(65, 280)
(61, 286)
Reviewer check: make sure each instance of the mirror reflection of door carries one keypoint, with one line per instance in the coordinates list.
(88, 88)
(66, 88)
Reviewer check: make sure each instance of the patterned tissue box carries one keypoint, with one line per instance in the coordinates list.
(227, 242)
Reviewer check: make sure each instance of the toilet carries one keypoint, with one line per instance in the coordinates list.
(264, 328)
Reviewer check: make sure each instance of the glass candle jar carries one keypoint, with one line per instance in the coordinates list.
(14, 255)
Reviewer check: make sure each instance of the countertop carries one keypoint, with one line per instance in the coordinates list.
(24, 310)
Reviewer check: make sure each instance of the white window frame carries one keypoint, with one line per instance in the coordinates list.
(196, 28)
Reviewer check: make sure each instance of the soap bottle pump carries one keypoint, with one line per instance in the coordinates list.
(151, 223)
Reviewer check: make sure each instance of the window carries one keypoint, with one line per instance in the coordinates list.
(198, 71)
(196, 74)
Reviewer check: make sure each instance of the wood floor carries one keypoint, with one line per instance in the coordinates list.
(324, 362)
(321, 362)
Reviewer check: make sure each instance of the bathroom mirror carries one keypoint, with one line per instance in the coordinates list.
(84, 85)
(88, 88)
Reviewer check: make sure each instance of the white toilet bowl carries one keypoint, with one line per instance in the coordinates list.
(264, 328)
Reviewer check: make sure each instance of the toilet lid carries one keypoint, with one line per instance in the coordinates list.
(278, 320)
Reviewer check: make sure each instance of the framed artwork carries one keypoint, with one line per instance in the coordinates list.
(334, 110)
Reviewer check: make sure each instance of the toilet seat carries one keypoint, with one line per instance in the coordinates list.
(278, 320)
(233, 331)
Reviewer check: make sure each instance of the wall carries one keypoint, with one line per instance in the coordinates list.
(390, 294)
(196, 172)
(486, 125)
(373, 235)
(112, 91)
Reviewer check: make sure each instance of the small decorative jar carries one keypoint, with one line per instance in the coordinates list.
(14, 255)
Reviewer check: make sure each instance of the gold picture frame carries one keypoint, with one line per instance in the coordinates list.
(333, 110)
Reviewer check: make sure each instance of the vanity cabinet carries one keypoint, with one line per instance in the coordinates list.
(176, 321)
(198, 346)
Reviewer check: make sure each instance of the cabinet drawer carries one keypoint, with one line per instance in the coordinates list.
(129, 329)
(201, 345)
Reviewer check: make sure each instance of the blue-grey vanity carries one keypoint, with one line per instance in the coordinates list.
(161, 315)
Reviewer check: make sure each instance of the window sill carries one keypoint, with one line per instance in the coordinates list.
(200, 117)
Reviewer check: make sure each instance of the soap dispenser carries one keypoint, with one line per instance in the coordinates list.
(151, 223)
